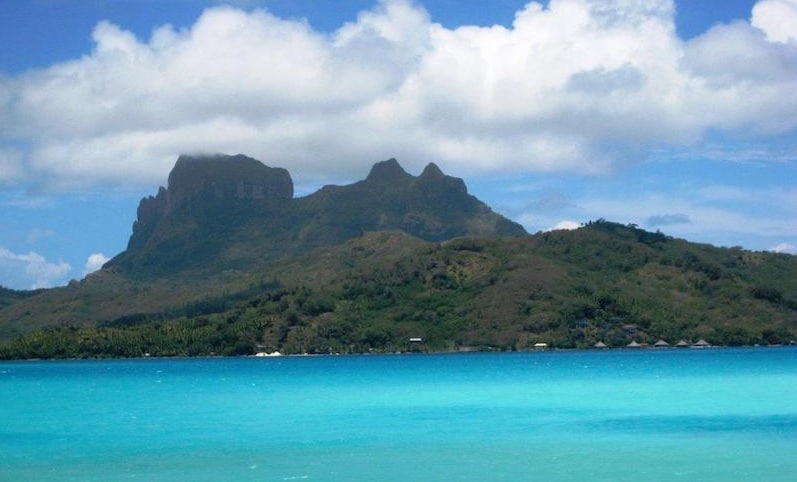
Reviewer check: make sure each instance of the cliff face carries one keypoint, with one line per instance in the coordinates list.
(205, 179)
(223, 211)
(200, 185)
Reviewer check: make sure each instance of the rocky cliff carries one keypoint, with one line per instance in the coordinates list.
(221, 212)
(199, 184)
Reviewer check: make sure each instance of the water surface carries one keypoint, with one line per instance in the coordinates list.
(713, 414)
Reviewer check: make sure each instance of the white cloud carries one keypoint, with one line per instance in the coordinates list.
(785, 248)
(31, 270)
(576, 86)
(11, 164)
(777, 18)
(566, 225)
(95, 262)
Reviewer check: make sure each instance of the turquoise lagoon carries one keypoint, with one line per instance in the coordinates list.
(653, 415)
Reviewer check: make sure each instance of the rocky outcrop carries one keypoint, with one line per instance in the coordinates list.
(432, 206)
(213, 178)
(229, 212)
(389, 171)
(198, 184)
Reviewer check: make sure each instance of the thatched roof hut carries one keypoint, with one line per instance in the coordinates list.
(599, 344)
(682, 344)
(702, 344)
(634, 344)
(661, 344)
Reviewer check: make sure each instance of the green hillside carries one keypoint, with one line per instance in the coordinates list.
(225, 260)
(569, 289)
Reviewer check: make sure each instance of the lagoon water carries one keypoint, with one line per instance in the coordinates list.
(708, 415)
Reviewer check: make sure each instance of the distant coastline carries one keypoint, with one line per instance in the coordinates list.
(467, 350)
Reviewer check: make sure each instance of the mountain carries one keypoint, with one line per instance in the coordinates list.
(233, 212)
(225, 261)
(201, 187)
(432, 207)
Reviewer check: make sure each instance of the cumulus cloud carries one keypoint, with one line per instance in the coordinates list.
(777, 19)
(31, 270)
(577, 86)
(565, 225)
(95, 262)
(11, 164)
(785, 248)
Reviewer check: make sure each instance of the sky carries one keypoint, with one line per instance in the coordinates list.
(678, 116)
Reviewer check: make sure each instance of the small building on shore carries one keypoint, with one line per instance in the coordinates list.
(265, 353)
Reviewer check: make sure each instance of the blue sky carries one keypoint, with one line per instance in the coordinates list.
(676, 116)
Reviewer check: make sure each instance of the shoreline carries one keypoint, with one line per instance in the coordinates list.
(649, 348)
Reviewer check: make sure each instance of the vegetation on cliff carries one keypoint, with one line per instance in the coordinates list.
(604, 282)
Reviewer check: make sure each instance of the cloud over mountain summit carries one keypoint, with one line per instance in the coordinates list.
(578, 85)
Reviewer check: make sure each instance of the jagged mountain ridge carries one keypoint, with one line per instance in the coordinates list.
(432, 206)
(231, 212)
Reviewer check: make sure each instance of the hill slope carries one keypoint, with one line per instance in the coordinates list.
(225, 260)
(221, 217)
(604, 282)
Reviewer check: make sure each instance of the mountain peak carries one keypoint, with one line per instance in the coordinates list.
(389, 170)
(435, 183)
(227, 212)
(199, 185)
(431, 171)
(227, 177)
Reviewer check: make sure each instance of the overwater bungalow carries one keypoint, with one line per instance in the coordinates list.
(599, 344)
(661, 344)
(634, 344)
(682, 344)
(701, 344)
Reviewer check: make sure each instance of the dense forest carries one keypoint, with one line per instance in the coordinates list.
(604, 282)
